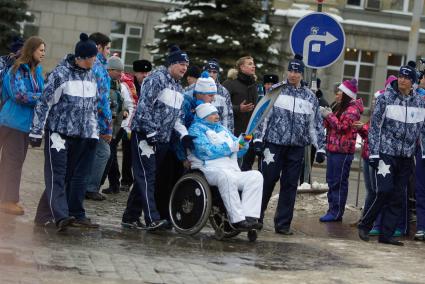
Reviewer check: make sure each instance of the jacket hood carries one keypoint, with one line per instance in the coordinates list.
(358, 104)
(69, 62)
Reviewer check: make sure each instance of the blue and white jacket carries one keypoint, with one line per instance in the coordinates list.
(69, 102)
(159, 108)
(215, 145)
(397, 124)
(103, 80)
(294, 119)
(21, 91)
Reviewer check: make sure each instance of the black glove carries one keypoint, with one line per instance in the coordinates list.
(320, 157)
(187, 142)
(374, 162)
(152, 141)
(258, 148)
(35, 142)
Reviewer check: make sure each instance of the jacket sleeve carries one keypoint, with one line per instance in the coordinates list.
(228, 111)
(51, 95)
(363, 132)
(204, 149)
(261, 129)
(317, 131)
(145, 107)
(179, 126)
(128, 105)
(376, 122)
(16, 90)
(104, 114)
(344, 123)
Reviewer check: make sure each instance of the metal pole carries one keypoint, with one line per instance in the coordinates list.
(412, 47)
(313, 87)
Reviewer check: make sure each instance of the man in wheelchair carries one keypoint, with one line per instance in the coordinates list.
(215, 154)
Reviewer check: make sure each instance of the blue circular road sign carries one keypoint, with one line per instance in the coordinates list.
(319, 38)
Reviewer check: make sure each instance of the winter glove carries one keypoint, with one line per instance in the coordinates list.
(374, 162)
(35, 142)
(187, 142)
(325, 111)
(258, 148)
(320, 157)
(152, 141)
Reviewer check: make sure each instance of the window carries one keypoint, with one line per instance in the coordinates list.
(126, 41)
(30, 28)
(356, 3)
(394, 62)
(360, 64)
(405, 6)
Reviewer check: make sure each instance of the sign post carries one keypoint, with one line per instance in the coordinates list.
(321, 40)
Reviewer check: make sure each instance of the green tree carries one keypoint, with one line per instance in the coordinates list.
(12, 12)
(222, 29)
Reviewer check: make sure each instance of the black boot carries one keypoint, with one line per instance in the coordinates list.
(390, 241)
(243, 226)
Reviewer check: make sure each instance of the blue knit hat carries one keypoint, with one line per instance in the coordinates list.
(85, 48)
(409, 71)
(212, 64)
(296, 64)
(176, 55)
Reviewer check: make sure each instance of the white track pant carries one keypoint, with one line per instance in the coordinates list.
(229, 182)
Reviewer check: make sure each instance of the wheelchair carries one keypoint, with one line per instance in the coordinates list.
(193, 202)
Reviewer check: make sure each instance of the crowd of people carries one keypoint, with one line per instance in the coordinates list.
(87, 105)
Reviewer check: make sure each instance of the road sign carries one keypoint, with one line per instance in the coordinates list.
(319, 38)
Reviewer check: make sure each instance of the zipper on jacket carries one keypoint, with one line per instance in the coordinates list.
(405, 132)
(292, 124)
(84, 110)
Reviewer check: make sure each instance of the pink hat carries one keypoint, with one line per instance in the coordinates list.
(349, 87)
(390, 79)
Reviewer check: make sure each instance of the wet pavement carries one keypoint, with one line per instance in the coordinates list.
(316, 253)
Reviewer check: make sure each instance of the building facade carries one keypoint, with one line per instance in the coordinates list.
(377, 32)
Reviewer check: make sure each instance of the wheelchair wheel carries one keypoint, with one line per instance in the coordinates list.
(221, 225)
(190, 203)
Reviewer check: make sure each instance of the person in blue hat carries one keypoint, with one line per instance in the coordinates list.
(158, 114)
(396, 132)
(293, 123)
(66, 115)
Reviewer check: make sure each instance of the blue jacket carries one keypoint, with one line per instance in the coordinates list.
(397, 124)
(103, 87)
(294, 120)
(205, 147)
(21, 91)
(159, 109)
(69, 102)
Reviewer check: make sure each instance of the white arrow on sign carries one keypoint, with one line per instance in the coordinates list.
(328, 38)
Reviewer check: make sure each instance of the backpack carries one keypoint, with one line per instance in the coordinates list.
(6, 61)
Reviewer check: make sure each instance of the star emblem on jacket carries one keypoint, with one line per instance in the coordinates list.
(383, 169)
(57, 142)
(146, 149)
(268, 156)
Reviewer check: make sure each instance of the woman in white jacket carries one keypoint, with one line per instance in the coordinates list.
(215, 154)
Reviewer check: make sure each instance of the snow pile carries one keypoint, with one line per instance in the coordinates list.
(272, 50)
(315, 186)
(216, 38)
(263, 30)
(179, 14)
(236, 42)
(177, 28)
(305, 186)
